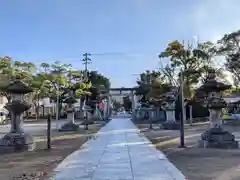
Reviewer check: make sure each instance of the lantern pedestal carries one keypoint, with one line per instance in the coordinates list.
(70, 125)
(79, 115)
(170, 123)
(217, 138)
(16, 142)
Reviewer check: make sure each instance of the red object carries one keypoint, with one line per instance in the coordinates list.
(101, 105)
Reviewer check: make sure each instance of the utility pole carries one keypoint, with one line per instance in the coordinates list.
(86, 60)
(182, 116)
(57, 106)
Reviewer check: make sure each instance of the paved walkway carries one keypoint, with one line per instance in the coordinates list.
(117, 153)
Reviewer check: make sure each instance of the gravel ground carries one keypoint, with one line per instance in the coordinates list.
(38, 165)
(197, 163)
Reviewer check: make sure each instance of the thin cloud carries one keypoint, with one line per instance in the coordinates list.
(212, 19)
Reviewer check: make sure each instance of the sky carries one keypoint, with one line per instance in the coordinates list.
(123, 36)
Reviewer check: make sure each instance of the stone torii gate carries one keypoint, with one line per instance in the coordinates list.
(125, 92)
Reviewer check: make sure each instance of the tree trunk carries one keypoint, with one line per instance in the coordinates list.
(8, 98)
(43, 110)
(37, 112)
(59, 110)
(37, 108)
(81, 104)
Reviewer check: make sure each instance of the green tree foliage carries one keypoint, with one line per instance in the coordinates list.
(48, 79)
(207, 55)
(41, 89)
(181, 58)
(195, 63)
(144, 83)
(229, 47)
(100, 85)
(98, 80)
(9, 69)
(7, 74)
(150, 86)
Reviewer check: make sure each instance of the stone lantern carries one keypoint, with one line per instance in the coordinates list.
(169, 99)
(70, 125)
(154, 104)
(216, 136)
(17, 139)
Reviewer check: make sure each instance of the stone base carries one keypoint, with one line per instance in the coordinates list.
(217, 138)
(89, 122)
(79, 115)
(69, 127)
(107, 119)
(171, 126)
(95, 119)
(16, 142)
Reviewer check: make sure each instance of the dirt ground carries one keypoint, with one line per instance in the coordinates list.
(38, 165)
(197, 163)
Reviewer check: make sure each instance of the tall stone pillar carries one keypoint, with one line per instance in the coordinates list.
(105, 109)
(108, 106)
(190, 115)
(133, 104)
(133, 101)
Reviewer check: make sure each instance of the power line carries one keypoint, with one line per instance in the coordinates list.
(110, 54)
(122, 54)
(74, 58)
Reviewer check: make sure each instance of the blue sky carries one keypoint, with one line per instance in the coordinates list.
(124, 36)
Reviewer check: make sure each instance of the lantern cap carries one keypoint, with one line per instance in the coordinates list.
(70, 100)
(18, 87)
